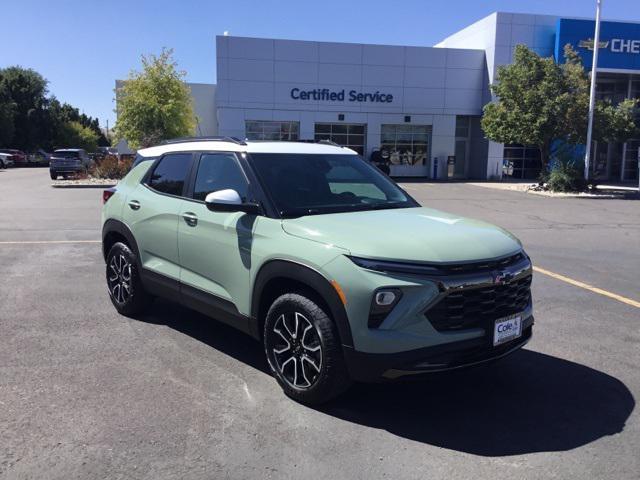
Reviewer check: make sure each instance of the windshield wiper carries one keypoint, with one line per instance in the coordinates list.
(382, 205)
(354, 207)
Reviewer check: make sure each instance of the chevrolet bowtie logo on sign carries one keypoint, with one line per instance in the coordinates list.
(588, 44)
(617, 45)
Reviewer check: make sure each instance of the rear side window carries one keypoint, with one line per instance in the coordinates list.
(139, 159)
(170, 173)
(219, 171)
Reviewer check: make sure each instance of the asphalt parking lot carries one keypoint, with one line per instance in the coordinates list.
(86, 393)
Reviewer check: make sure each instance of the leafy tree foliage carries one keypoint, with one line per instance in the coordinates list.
(154, 104)
(74, 135)
(539, 101)
(30, 119)
(25, 94)
(7, 113)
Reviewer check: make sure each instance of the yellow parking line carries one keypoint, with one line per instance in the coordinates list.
(36, 242)
(586, 286)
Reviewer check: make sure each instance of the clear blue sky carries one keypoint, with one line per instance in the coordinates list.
(82, 46)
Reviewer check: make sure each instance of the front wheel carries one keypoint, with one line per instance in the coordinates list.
(303, 349)
(54, 176)
(123, 281)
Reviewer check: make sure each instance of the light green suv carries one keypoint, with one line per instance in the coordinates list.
(337, 271)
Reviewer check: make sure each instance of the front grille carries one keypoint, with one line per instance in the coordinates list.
(474, 307)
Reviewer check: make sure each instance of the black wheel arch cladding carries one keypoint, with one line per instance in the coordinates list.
(313, 280)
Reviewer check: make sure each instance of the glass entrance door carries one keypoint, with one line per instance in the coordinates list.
(460, 168)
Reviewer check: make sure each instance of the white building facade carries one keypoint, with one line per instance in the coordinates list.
(417, 108)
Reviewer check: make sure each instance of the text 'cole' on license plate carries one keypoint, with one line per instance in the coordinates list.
(507, 328)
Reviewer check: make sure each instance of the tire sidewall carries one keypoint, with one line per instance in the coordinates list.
(328, 384)
(137, 297)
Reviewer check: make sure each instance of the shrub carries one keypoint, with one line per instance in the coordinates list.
(566, 176)
(111, 167)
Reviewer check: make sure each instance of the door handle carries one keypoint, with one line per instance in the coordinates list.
(190, 219)
(134, 205)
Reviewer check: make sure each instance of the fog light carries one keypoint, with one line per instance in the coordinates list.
(385, 298)
(383, 301)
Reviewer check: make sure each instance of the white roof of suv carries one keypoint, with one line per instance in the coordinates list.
(231, 145)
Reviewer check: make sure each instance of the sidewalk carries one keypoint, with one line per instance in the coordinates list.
(602, 191)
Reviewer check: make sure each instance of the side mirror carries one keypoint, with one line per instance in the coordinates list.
(229, 201)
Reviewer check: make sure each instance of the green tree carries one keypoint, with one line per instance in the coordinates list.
(154, 104)
(74, 135)
(24, 93)
(539, 101)
(7, 112)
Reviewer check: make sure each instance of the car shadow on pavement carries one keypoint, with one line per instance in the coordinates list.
(528, 402)
(223, 338)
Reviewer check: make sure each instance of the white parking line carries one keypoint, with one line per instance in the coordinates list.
(586, 286)
(37, 242)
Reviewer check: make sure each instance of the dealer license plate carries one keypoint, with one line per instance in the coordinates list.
(507, 328)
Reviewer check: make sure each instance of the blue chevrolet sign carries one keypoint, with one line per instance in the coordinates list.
(619, 43)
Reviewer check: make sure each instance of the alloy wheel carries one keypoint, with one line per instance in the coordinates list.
(119, 278)
(296, 349)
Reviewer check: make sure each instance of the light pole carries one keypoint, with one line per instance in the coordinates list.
(592, 90)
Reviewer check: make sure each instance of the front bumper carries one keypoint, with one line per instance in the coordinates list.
(375, 367)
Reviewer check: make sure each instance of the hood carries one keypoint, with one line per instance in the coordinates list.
(408, 234)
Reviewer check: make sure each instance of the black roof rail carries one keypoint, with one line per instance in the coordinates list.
(324, 142)
(214, 138)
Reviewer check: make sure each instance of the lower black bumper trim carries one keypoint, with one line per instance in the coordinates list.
(374, 367)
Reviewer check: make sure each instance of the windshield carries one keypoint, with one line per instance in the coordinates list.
(311, 184)
(65, 154)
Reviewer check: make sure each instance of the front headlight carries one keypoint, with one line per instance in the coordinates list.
(395, 267)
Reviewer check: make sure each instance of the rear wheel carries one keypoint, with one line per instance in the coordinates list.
(123, 281)
(2, 165)
(303, 349)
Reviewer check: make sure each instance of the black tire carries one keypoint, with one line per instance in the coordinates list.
(325, 376)
(2, 165)
(123, 281)
(53, 176)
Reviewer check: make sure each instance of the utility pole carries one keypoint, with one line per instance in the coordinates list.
(592, 90)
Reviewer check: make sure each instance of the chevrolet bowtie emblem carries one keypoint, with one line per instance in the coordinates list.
(588, 44)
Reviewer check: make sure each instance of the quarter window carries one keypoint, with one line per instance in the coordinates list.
(219, 171)
(170, 174)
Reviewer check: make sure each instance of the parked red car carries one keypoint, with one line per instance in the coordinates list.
(18, 156)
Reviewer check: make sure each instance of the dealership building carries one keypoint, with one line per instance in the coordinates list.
(417, 107)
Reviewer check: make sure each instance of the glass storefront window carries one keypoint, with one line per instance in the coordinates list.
(613, 89)
(351, 135)
(271, 130)
(631, 160)
(635, 89)
(462, 126)
(521, 161)
(406, 144)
